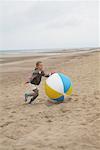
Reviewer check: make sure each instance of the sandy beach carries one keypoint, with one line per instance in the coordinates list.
(72, 125)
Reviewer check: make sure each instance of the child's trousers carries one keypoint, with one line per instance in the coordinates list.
(35, 95)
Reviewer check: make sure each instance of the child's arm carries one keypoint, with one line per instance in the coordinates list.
(47, 75)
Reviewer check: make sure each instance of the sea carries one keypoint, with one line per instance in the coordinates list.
(26, 52)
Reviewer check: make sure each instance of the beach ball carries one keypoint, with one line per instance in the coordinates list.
(58, 85)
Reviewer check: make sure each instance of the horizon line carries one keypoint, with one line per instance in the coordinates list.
(50, 48)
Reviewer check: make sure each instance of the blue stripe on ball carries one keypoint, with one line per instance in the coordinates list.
(60, 99)
(66, 82)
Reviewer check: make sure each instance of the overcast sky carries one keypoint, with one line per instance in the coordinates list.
(49, 24)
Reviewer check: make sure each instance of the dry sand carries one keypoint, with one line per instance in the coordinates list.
(72, 125)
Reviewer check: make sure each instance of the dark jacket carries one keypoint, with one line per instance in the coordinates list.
(37, 76)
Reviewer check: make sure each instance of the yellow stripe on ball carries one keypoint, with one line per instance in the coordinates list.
(51, 93)
(69, 91)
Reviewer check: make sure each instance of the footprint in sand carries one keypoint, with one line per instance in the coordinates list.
(6, 124)
(97, 97)
(75, 97)
(7, 96)
(69, 99)
(11, 116)
(49, 120)
(13, 112)
(64, 110)
(8, 108)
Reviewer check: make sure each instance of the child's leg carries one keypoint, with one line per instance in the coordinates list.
(35, 95)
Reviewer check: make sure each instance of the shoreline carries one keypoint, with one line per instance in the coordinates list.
(13, 57)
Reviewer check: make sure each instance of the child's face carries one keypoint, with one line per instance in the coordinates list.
(40, 66)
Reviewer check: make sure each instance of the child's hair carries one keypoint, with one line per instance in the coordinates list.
(38, 62)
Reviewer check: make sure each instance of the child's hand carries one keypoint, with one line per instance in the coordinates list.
(52, 72)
